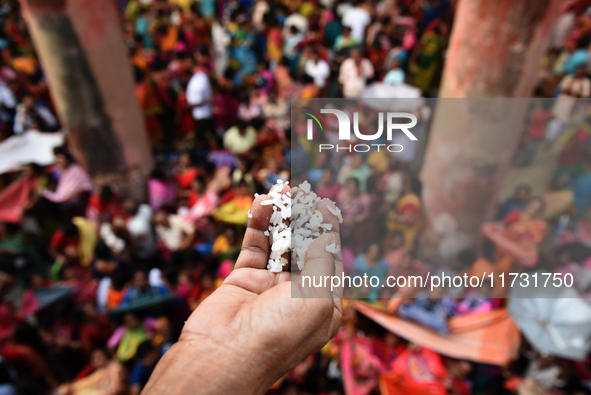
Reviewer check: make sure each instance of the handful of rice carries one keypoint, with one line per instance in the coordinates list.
(299, 206)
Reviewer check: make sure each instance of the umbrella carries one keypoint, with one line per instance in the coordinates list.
(555, 320)
(49, 296)
(150, 305)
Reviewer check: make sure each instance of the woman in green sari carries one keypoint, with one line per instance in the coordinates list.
(427, 57)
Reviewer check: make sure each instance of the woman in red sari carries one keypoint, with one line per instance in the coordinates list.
(21, 194)
(186, 171)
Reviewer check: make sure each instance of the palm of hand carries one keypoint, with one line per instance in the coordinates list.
(254, 310)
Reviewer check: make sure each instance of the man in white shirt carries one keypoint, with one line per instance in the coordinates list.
(296, 20)
(199, 97)
(317, 68)
(173, 231)
(357, 18)
(140, 229)
(29, 113)
(354, 73)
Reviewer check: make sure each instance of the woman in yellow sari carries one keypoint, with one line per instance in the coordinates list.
(108, 378)
(406, 217)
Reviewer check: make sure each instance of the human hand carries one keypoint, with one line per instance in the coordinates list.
(251, 331)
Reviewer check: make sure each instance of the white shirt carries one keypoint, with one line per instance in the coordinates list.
(173, 235)
(102, 293)
(140, 227)
(357, 19)
(155, 278)
(198, 91)
(296, 20)
(7, 98)
(22, 120)
(353, 81)
(319, 71)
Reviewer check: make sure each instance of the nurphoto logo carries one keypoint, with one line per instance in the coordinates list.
(345, 129)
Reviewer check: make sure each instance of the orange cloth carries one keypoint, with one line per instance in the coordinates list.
(114, 298)
(169, 41)
(491, 337)
(394, 384)
(415, 372)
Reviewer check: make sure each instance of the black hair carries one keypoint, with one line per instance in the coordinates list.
(355, 180)
(416, 186)
(191, 256)
(118, 281)
(103, 350)
(243, 182)
(207, 273)
(138, 74)
(209, 168)
(241, 124)
(142, 269)
(584, 42)
(5, 376)
(158, 173)
(306, 79)
(144, 349)
(26, 334)
(230, 227)
(372, 184)
(257, 123)
(102, 251)
(172, 275)
(36, 168)
(369, 244)
(69, 229)
(107, 193)
(62, 151)
(158, 64)
(12, 228)
(7, 264)
(199, 178)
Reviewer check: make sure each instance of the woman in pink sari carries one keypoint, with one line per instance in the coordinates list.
(73, 187)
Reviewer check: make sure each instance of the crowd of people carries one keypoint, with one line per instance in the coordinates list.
(95, 287)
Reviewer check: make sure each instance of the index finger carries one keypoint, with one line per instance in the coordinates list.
(255, 245)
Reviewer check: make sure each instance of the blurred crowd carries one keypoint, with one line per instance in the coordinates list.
(95, 287)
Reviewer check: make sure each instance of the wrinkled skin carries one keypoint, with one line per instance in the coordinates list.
(251, 331)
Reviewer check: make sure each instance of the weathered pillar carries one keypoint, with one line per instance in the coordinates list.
(81, 49)
(495, 52)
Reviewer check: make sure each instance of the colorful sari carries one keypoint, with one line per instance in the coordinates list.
(14, 199)
(428, 62)
(407, 206)
(129, 343)
(72, 182)
(362, 360)
(104, 381)
(517, 240)
(235, 211)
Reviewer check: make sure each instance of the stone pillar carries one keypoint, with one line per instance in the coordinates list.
(495, 52)
(81, 49)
